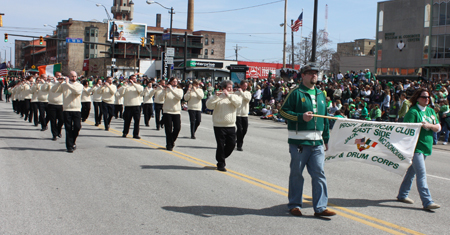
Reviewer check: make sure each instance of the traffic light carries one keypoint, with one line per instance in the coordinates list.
(152, 40)
(6, 37)
(142, 41)
(41, 40)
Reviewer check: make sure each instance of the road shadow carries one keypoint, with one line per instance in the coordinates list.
(20, 138)
(134, 147)
(273, 127)
(346, 202)
(196, 147)
(210, 211)
(159, 136)
(100, 136)
(32, 149)
(21, 129)
(174, 167)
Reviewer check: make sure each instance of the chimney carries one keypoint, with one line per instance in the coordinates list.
(190, 17)
(158, 20)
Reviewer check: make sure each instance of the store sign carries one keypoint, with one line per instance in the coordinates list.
(405, 38)
(205, 64)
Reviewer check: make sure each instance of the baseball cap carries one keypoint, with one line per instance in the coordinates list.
(309, 68)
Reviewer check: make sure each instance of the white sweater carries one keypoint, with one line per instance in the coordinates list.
(108, 92)
(172, 104)
(118, 98)
(34, 92)
(131, 94)
(72, 96)
(224, 114)
(86, 95)
(243, 110)
(159, 96)
(194, 98)
(26, 92)
(43, 92)
(97, 94)
(148, 95)
(54, 97)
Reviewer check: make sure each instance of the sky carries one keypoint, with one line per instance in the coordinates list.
(255, 29)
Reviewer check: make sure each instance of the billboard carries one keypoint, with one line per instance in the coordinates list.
(261, 69)
(126, 32)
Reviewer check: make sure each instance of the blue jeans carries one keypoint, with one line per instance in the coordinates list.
(313, 157)
(443, 131)
(417, 167)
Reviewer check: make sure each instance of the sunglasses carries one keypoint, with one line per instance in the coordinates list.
(425, 97)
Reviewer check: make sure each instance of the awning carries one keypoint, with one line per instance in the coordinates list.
(435, 65)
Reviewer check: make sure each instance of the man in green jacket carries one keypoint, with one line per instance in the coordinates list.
(307, 137)
(404, 107)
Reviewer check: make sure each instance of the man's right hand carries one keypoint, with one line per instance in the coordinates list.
(308, 116)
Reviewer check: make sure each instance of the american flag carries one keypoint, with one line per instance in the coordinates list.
(360, 141)
(3, 69)
(298, 23)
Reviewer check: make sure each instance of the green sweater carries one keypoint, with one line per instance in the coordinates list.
(296, 104)
(415, 115)
(375, 113)
(404, 108)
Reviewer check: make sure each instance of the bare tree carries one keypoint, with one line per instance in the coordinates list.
(302, 51)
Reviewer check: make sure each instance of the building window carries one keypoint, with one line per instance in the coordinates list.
(212, 40)
(447, 44)
(206, 51)
(427, 16)
(206, 41)
(425, 47)
(380, 21)
(435, 14)
(212, 51)
(442, 10)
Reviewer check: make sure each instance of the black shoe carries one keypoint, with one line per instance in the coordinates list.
(96, 124)
(221, 168)
(70, 150)
(162, 126)
(124, 135)
(35, 124)
(59, 136)
(157, 128)
(169, 148)
(54, 138)
(239, 149)
(193, 137)
(137, 137)
(74, 147)
(107, 129)
(147, 125)
(44, 129)
(84, 120)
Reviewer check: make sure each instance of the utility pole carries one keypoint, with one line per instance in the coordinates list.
(236, 49)
(306, 43)
(314, 34)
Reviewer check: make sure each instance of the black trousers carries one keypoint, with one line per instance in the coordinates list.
(195, 117)
(118, 111)
(98, 112)
(226, 141)
(72, 124)
(131, 112)
(15, 105)
(242, 127)
(26, 108)
(158, 111)
(43, 114)
(108, 113)
(172, 127)
(148, 112)
(56, 117)
(34, 113)
(21, 107)
(85, 110)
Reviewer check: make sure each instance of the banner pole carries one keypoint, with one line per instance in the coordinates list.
(322, 116)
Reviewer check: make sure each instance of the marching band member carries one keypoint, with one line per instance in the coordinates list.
(194, 97)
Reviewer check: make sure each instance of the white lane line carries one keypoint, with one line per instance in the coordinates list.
(438, 177)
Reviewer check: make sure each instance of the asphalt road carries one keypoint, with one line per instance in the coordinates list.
(115, 185)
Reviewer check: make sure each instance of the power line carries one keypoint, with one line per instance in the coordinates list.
(237, 9)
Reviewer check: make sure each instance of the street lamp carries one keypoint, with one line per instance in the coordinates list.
(171, 20)
(112, 43)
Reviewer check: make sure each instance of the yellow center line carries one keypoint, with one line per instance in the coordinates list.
(275, 188)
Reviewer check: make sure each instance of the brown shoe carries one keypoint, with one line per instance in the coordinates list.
(296, 211)
(326, 212)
